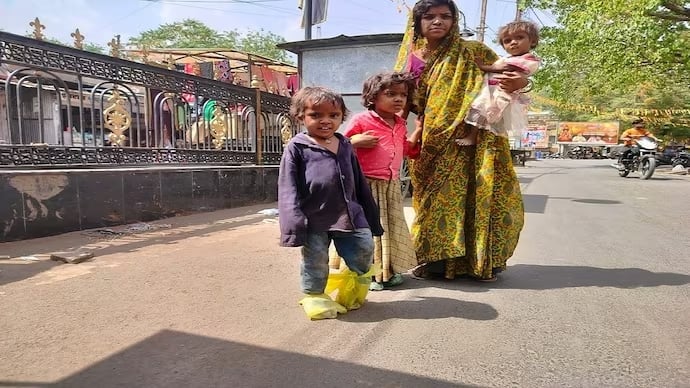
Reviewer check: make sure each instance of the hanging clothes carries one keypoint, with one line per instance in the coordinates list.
(281, 83)
(206, 69)
(222, 71)
(293, 83)
(241, 78)
(192, 68)
(269, 82)
(209, 107)
(256, 72)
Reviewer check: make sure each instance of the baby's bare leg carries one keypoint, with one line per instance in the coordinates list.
(469, 138)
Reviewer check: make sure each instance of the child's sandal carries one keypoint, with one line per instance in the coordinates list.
(375, 286)
(395, 280)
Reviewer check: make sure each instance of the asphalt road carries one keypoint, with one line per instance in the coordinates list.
(597, 295)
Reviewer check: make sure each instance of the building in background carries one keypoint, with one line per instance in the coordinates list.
(343, 63)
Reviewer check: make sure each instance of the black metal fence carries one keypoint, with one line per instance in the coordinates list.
(61, 106)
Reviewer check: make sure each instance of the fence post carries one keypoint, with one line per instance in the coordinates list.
(256, 84)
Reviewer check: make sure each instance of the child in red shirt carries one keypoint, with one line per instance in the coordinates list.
(379, 136)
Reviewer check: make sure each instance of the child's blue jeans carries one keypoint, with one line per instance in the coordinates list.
(356, 248)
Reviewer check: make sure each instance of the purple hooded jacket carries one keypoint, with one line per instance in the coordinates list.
(319, 191)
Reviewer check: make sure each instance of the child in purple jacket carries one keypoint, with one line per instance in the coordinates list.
(322, 194)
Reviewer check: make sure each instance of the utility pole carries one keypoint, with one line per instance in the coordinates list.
(482, 22)
(518, 11)
(307, 19)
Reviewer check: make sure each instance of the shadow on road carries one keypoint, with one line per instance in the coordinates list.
(17, 271)
(423, 308)
(177, 359)
(551, 277)
(597, 201)
(536, 203)
(544, 277)
(182, 228)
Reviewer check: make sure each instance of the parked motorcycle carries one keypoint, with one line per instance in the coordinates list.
(577, 152)
(641, 158)
(681, 159)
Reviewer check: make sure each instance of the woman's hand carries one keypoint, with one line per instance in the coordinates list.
(364, 140)
(512, 81)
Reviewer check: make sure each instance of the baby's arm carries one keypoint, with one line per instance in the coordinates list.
(496, 67)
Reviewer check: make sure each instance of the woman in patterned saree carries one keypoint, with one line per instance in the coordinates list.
(467, 199)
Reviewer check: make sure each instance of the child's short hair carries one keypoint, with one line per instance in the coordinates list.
(315, 95)
(528, 28)
(378, 82)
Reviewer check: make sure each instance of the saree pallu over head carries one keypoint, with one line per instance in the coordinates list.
(467, 199)
(447, 86)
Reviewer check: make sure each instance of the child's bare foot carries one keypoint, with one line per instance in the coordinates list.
(469, 139)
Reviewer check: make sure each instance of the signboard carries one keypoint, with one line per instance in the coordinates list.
(535, 137)
(588, 133)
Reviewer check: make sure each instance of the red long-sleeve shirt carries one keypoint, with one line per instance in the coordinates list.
(385, 159)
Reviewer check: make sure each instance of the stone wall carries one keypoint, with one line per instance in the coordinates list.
(47, 202)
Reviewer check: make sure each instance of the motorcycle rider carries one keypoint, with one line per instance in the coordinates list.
(630, 135)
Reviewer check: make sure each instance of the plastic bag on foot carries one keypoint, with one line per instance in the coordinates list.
(352, 289)
(321, 306)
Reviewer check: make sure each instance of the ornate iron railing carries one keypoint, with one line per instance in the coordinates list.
(66, 107)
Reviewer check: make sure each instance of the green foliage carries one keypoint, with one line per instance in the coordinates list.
(674, 132)
(614, 44)
(191, 33)
(88, 46)
(676, 10)
(94, 48)
(617, 54)
(674, 127)
(264, 43)
(188, 33)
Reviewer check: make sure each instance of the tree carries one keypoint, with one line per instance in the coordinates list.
(603, 53)
(94, 48)
(188, 33)
(264, 43)
(88, 46)
(660, 102)
(675, 10)
(600, 45)
(666, 111)
(191, 33)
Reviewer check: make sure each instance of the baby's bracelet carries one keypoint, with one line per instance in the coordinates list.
(528, 88)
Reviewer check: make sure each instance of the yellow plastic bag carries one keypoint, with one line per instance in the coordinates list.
(321, 307)
(351, 288)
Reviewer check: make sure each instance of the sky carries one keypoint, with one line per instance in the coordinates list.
(101, 20)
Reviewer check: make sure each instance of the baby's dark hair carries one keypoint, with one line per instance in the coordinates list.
(379, 82)
(528, 28)
(315, 95)
(423, 6)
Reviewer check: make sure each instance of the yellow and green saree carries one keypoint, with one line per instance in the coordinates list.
(467, 199)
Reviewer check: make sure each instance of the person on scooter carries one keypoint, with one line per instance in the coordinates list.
(630, 135)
